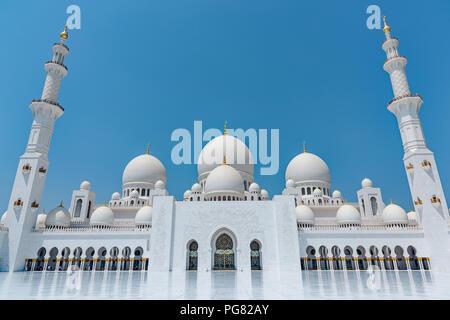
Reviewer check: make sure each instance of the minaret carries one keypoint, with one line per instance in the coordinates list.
(33, 164)
(421, 169)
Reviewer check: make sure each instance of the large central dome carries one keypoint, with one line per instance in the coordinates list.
(307, 167)
(237, 154)
(144, 169)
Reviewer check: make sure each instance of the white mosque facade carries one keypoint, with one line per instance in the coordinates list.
(226, 221)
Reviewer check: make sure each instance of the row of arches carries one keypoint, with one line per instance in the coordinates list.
(362, 261)
(142, 192)
(310, 190)
(224, 254)
(90, 260)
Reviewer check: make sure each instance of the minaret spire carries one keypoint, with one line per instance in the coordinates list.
(33, 165)
(420, 165)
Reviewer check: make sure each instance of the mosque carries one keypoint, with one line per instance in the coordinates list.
(226, 221)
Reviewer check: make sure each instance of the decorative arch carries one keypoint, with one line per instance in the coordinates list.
(255, 255)
(192, 255)
(223, 248)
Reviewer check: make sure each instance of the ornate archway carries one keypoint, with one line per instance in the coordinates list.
(224, 258)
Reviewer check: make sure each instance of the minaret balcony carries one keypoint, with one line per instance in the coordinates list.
(393, 63)
(18, 203)
(48, 101)
(58, 63)
(35, 205)
(26, 169)
(404, 96)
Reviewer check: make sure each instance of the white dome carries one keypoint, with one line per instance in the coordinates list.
(144, 169)
(41, 219)
(134, 194)
(412, 216)
(187, 194)
(307, 167)
(237, 154)
(102, 216)
(317, 192)
(348, 214)
(290, 183)
(144, 216)
(3, 220)
(85, 185)
(337, 194)
(161, 185)
(224, 178)
(196, 187)
(394, 214)
(366, 183)
(305, 215)
(264, 194)
(115, 196)
(254, 187)
(58, 217)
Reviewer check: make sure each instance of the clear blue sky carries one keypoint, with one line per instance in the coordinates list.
(140, 69)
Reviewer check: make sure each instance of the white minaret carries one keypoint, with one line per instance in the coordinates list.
(33, 164)
(421, 169)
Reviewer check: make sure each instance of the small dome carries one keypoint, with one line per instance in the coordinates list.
(144, 169)
(290, 183)
(337, 194)
(224, 178)
(85, 185)
(134, 194)
(3, 220)
(254, 187)
(160, 185)
(40, 220)
(58, 217)
(187, 194)
(115, 196)
(307, 167)
(264, 194)
(348, 214)
(144, 216)
(305, 215)
(102, 216)
(412, 216)
(394, 214)
(317, 192)
(366, 183)
(196, 187)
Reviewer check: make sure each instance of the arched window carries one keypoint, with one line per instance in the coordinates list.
(51, 264)
(303, 191)
(143, 192)
(137, 261)
(192, 255)
(39, 265)
(308, 190)
(148, 192)
(101, 260)
(374, 204)
(363, 205)
(114, 252)
(224, 253)
(126, 252)
(78, 208)
(255, 255)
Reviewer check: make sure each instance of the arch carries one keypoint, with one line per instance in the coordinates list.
(401, 262)
(89, 259)
(308, 190)
(349, 263)
(78, 208)
(255, 255)
(224, 251)
(192, 255)
(311, 255)
(137, 261)
(363, 206)
(114, 252)
(374, 205)
(39, 265)
(64, 261)
(336, 253)
(125, 265)
(374, 258)
(388, 263)
(362, 261)
(51, 264)
(77, 257)
(88, 210)
(101, 259)
(413, 260)
(143, 192)
(323, 252)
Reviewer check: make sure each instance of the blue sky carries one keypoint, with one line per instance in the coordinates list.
(140, 69)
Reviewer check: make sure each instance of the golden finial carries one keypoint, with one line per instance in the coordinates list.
(148, 146)
(225, 128)
(104, 203)
(391, 200)
(64, 34)
(346, 201)
(148, 203)
(304, 146)
(224, 160)
(60, 204)
(386, 27)
(43, 211)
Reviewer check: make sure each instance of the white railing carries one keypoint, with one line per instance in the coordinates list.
(364, 228)
(92, 229)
